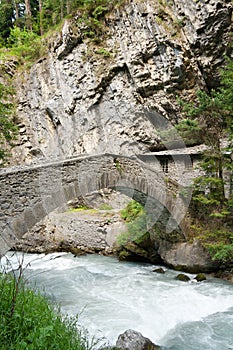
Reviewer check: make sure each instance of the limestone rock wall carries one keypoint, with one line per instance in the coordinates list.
(77, 101)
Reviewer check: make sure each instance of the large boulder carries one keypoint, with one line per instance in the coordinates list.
(133, 340)
(185, 256)
(78, 232)
(142, 249)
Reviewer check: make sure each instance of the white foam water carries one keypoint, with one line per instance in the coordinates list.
(112, 296)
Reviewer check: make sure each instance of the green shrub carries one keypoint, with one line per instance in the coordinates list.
(136, 220)
(28, 321)
(93, 12)
(24, 44)
(219, 244)
(132, 210)
(221, 252)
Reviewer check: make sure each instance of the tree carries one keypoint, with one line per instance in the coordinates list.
(7, 16)
(16, 8)
(225, 96)
(68, 6)
(211, 121)
(41, 17)
(211, 208)
(28, 15)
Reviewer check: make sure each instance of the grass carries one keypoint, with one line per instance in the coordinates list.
(105, 206)
(80, 208)
(30, 322)
(103, 52)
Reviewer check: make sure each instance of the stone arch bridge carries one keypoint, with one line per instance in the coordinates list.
(29, 193)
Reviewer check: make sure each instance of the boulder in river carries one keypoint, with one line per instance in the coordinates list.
(133, 340)
(182, 277)
(159, 270)
(200, 277)
(186, 256)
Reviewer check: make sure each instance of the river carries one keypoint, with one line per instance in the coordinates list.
(112, 296)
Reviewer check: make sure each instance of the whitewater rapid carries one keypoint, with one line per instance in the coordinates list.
(111, 296)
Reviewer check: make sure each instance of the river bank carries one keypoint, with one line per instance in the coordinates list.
(111, 296)
(89, 231)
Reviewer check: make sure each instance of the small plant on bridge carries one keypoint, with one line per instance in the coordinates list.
(118, 165)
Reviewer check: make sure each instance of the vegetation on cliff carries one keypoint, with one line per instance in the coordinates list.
(39, 16)
(25, 29)
(209, 121)
(135, 217)
(8, 129)
(212, 201)
(135, 242)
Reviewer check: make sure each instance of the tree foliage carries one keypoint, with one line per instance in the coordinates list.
(8, 129)
(6, 20)
(40, 15)
(22, 23)
(136, 223)
(24, 44)
(210, 120)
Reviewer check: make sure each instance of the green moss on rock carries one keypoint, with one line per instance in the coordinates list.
(200, 277)
(182, 277)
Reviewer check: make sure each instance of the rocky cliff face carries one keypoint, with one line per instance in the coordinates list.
(89, 98)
